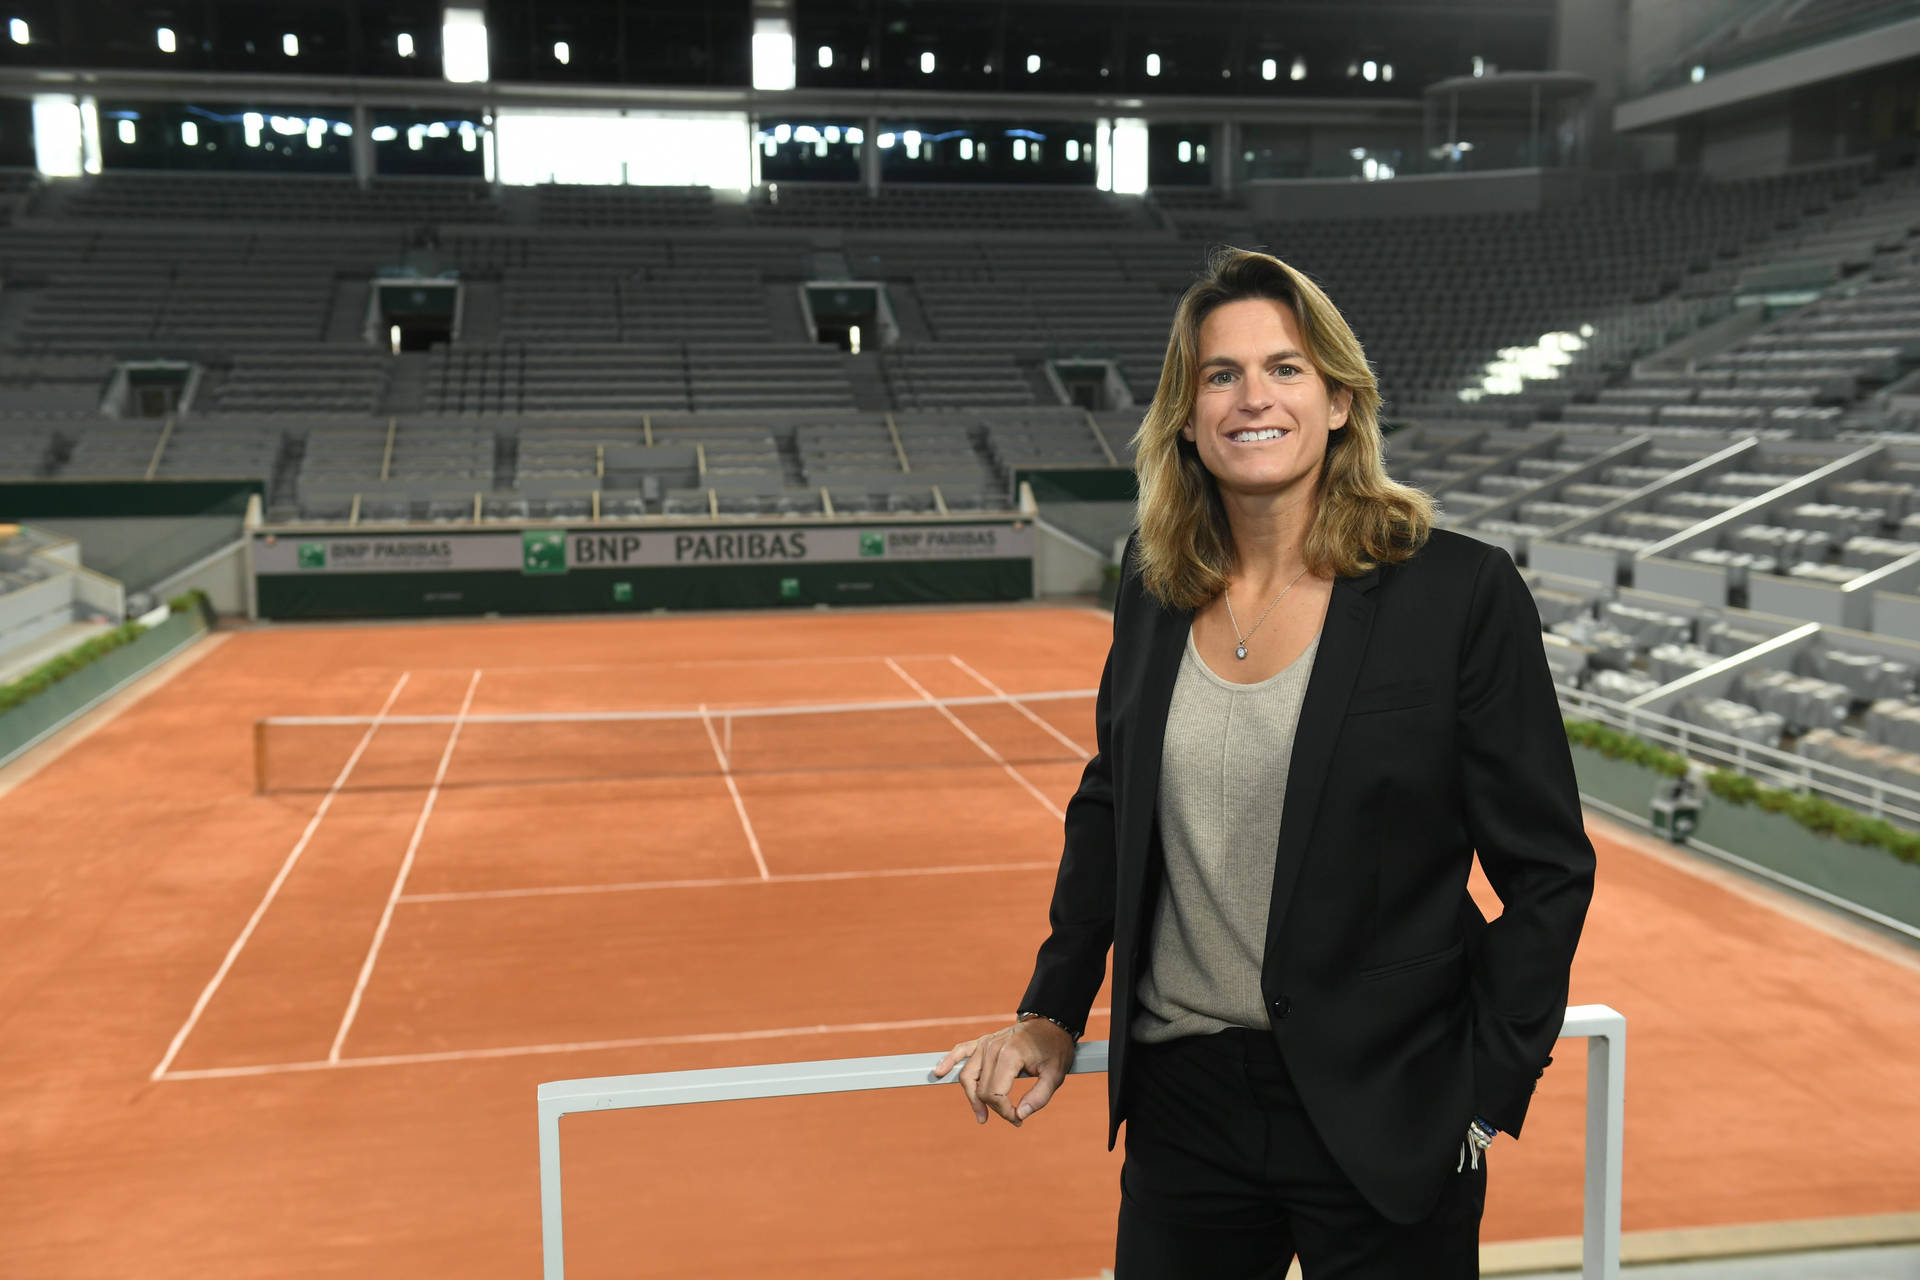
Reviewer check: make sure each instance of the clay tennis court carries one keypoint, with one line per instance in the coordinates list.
(298, 1033)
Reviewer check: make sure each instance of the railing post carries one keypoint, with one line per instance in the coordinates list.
(553, 1248)
(1606, 1131)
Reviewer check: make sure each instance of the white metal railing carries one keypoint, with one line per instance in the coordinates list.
(1757, 760)
(1604, 1030)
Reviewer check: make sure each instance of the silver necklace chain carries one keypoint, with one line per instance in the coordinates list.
(1240, 650)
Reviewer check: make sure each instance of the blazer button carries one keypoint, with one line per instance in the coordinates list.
(1282, 1007)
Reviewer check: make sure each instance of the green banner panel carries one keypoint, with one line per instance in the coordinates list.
(23, 500)
(1079, 484)
(639, 588)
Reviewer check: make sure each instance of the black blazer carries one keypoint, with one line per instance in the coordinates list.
(1430, 729)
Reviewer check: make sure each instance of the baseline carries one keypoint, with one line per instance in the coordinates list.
(591, 1046)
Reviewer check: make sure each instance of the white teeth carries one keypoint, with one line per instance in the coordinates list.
(1271, 433)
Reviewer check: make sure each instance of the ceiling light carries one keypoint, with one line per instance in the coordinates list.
(164, 37)
(1153, 64)
(127, 132)
(290, 45)
(926, 63)
(826, 56)
(18, 30)
(189, 132)
(1269, 69)
(1370, 70)
(1299, 69)
(562, 52)
(1033, 63)
(404, 43)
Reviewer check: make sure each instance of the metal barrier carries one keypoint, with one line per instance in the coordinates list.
(1604, 1030)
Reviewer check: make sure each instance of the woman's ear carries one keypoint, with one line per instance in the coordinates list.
(1186, 432)
(1342, 406)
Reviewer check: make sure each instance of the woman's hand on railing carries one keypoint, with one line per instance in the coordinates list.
(1034, 1047)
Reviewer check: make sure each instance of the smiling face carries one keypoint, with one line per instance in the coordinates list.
(1261, 410)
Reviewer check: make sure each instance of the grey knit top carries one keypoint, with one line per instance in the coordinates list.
(1223, 782)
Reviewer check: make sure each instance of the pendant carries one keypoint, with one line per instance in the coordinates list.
(1240, 652)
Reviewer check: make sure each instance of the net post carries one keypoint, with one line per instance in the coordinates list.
(259, 756)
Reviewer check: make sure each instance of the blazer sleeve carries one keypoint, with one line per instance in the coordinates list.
(1522, 806)
(1073, 959)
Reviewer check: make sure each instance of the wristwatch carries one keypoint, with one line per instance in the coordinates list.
(1024, 1014)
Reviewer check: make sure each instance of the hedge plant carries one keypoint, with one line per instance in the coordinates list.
(91, 650)
(1816, 813)
(51, 672)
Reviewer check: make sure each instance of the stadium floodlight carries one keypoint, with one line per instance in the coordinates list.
(253, 122)
(164, 38)
(1299, 71)
(853, 339)
(439, 129)
(783, 133)
(911, 140)
(1186, 151)
(1153, 64)
(825, 56)
(832, 133)
(416, 137)
(18, 30)
(820, 148)
(463, 45)
(926, 62)
(1699, 73)
(772, 53)
(884, 142)
(562, 52)
(966, 148)
(1073, 149)
(1019, 148)
(1370, 70)
(384, 133)
(190, 133)
(341, 129)
(404, 44)
(1033, 63)
(1200, 153)
(127, 132)
(1386, 71)
(1479, 66)
(806, 135)
(290, 45)
(316, 133)
(1371, 168)
(1269, 69)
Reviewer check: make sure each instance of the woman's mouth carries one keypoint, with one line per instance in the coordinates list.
(1256, 436)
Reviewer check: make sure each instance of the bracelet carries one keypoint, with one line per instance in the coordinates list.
(1024, 1014)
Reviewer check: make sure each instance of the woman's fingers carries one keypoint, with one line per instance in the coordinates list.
(959, 1053)
(1041, 1093)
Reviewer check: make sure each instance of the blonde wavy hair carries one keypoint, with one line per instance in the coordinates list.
(1362, 519)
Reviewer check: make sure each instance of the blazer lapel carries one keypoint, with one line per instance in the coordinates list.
(1165, 640)
(1336, 665)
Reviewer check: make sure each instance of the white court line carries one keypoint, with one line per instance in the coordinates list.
(993, 755)
(591, 1046)
(720, 882)
(1020, 706)
(739, 805)
(669, 662)
(400, 879)
(273, 889)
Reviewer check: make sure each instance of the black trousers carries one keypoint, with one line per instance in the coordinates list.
(1225, 1179)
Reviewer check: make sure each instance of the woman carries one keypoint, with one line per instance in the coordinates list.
(1315, 709)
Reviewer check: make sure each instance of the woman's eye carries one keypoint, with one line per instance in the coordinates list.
(1286, 370)
(1220, 379)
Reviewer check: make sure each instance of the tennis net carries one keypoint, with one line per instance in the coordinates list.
(356, 753)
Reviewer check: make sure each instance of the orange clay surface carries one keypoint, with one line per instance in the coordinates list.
(556, 930)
